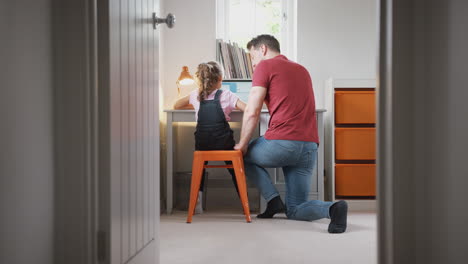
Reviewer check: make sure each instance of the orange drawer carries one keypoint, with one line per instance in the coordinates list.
(355, 179)
(355, 107)
(355, 143)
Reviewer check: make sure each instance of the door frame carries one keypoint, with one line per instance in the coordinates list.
(384, 135)
(75, 130)
(77, 175)
(81, 66)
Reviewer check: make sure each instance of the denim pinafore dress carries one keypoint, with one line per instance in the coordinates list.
(213, 131)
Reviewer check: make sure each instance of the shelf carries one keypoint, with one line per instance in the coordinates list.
(237, 80)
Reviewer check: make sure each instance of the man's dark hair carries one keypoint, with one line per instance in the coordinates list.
(267, 40)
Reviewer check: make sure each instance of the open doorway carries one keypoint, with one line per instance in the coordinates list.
(332, 39)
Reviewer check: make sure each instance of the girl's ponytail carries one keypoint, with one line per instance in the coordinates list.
(207, 76)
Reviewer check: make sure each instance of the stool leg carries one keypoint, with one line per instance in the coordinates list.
(197, 171)
(242, 185)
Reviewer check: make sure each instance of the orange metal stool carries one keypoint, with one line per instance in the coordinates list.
(199, 158)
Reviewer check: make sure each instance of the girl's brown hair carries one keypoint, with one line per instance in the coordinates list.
(207, 76)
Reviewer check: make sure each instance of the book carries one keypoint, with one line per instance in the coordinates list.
(234, 59)
(249, 61)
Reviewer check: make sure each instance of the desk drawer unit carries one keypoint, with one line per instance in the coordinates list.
(355, 179)
(355, 107)
(354, 143)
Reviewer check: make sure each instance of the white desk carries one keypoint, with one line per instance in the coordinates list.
(236, 116)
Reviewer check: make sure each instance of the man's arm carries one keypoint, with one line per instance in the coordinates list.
(251, 116)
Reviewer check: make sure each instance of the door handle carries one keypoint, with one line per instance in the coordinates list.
(169, 20)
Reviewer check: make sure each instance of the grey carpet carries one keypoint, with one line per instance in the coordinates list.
(225, 237)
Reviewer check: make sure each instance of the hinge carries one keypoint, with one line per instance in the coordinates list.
(101, 246)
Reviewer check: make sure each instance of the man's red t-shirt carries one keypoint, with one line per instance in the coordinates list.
(290, 99)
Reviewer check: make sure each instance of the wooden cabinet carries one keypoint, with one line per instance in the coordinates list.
(355, 107)
(355, 180)
(353, 142)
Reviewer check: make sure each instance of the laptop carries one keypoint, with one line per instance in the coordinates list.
(239, 87)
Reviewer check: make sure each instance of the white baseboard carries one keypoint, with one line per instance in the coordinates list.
(362, 205)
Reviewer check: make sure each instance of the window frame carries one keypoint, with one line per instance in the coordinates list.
(288, 27)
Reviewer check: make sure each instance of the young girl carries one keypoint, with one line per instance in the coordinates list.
(212, 109)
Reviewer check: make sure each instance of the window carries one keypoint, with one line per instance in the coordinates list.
(241, 20)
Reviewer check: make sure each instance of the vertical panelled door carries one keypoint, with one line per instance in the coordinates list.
(129, 139)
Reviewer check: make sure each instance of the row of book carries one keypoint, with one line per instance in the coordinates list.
(235, 60)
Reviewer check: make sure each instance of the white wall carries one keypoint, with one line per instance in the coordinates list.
(337, 38)
(26, 129)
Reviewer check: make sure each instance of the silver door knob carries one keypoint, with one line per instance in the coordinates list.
(169, 20)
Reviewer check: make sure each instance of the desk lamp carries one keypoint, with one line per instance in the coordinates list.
(184, 79)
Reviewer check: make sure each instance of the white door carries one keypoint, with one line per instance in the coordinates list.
(129, 132)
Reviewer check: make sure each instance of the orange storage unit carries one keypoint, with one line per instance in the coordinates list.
(355, 180)
(355, 143)
(355, 107)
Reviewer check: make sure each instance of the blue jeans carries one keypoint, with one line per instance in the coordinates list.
(297, 159)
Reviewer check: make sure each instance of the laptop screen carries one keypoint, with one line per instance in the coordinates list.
(239, 87)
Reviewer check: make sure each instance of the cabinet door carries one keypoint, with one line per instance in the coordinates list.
(355, 107)
(353, 143)
(355, 180)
